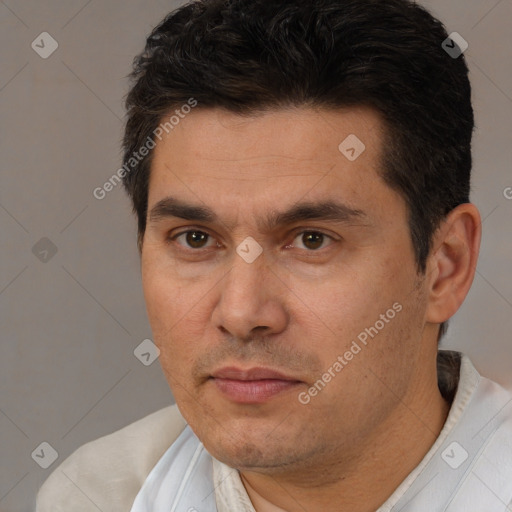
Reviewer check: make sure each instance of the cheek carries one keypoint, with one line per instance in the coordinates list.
(158, 294)
(354, 299)
(177, 314)
(167, 298)
(373, 314)
(163, 307)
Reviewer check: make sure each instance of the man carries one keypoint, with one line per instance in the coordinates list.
(300, 172)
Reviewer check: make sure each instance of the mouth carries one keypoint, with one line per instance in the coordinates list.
(252, 386)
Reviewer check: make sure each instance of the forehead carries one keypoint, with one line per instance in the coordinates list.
(300, 134)
(218, 158)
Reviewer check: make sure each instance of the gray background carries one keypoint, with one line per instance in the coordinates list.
(70, 325)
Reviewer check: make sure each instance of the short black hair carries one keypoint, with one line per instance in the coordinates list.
(250, 56)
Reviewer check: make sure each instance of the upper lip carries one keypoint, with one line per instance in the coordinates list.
(257, 373)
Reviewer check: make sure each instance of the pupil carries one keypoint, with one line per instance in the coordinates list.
(193, 236)
(310, 236)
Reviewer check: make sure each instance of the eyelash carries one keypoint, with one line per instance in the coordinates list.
(295, 235)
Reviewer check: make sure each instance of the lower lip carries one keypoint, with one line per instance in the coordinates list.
(253, 391)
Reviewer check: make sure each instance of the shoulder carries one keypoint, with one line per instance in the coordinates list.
(107, 473)
(487, 440)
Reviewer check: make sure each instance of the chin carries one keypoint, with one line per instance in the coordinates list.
(248, 456)
(251, 450)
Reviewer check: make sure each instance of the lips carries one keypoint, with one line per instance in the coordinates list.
(251, 374)
(252, 386)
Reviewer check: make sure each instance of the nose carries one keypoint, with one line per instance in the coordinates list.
(251, 300)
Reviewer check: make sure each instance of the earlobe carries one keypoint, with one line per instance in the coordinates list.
(452, 263)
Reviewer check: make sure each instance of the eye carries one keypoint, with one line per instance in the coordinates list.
(194, 239)
(312, 240)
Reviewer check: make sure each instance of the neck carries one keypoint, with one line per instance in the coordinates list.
(399, 443)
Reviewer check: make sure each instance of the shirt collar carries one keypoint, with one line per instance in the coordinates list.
(457, 381)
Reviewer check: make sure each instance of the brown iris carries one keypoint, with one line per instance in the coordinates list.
(195, 238)
(314, 239)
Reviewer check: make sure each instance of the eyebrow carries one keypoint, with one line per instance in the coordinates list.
(326, 210)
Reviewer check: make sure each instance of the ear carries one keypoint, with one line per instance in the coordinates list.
(452, 263)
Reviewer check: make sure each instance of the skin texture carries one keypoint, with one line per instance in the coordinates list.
(300, 304)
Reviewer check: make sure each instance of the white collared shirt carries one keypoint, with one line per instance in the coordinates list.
(438, 482)
(158, 465)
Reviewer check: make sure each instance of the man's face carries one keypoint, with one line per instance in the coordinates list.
(225, 320)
